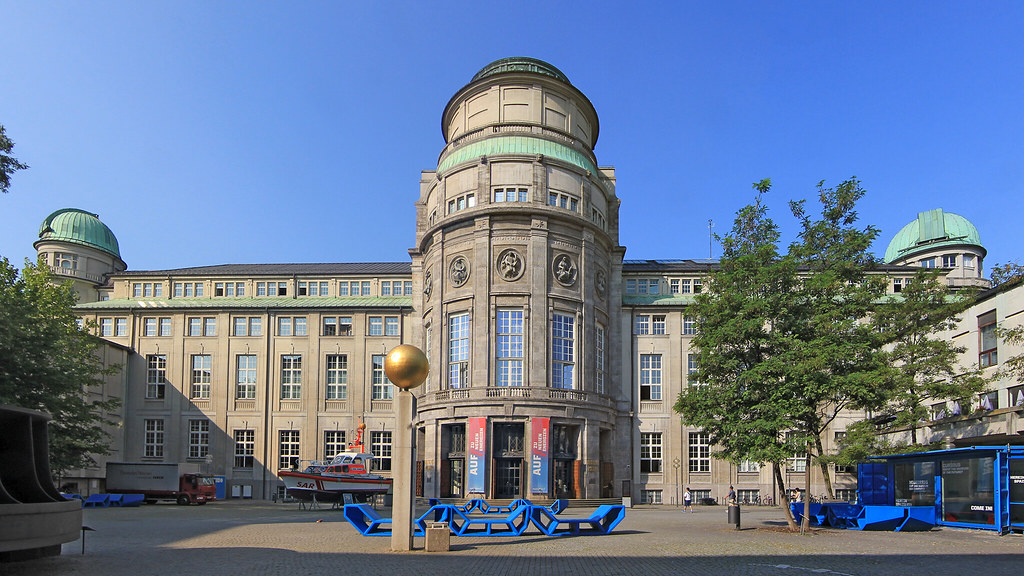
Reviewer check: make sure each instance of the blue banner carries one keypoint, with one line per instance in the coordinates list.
(476, 451)
(540, 455)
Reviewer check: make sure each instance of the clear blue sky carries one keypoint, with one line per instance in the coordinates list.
(231, 132)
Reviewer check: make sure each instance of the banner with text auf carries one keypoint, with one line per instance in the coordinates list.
(540, 455)
(476, 451)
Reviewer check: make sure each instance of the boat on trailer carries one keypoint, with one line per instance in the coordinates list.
(348, 472)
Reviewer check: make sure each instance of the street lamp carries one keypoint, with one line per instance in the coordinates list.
(406, 367)
(675, 464)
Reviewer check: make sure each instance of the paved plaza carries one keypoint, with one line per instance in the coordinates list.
(255, 538)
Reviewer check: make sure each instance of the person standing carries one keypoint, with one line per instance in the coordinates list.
(731, 498)
(687, 501)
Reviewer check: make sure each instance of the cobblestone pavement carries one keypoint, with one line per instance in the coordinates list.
(247, 538)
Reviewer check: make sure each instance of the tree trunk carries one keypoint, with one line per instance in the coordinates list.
(784, 497)
(805, 526)
(823, 466)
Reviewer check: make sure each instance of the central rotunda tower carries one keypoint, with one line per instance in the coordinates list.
(517, 249)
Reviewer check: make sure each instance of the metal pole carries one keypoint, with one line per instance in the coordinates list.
(402, 509)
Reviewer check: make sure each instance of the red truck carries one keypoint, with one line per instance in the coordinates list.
(179, 482)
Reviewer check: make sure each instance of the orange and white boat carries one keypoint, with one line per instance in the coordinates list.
(349, 472)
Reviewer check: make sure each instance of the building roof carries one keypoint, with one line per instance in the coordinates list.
(520, 64)
(307, 269)
(79, 227)
(932, 229)
(516, 145)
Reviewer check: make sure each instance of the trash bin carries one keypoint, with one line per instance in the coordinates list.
(439, 537)
(734, 515)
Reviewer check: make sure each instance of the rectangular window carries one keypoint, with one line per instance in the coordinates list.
(650, 452)
(658, 324)
(245, 377)
(312, 289)
(385, 288)
(650, 376)
(988, 344)
(334, 443)
(337, 376)
(106, 327)
(600, 360)
(458, 350)
(201, 375)
(699, 452)
(245, 448)
(897, 285)
(291, 376)
(407, 288)
(749, 466)
(202, 326)
(284, 326)
(343, 289)
(156, 375)
(380, 447)
(461, 203)
(563, 351)
(288, 449)
(120, 327)
(511, 195)
(798, 463)
(292, 326)
(698, 285)
(969, 261)
(691, 369)
(642, 324)
(689, 326)
(376, 326)
(154, 445)
(391, 327)
(563, 200)
(650, 496)
(382, 387)
(65, 261)
(509, 347)
(949, 261)
(630, 286)
(365, 286)
(198, 439)
(149, 327)
(337, 326)
(673, 286)
(247, 326)
(928, 263)
(685, 286)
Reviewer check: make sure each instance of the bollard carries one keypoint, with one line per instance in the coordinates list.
(439, 537)
(734, 515)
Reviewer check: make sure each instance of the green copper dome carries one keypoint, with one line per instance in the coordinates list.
(79, 227)
(526, 145)
(520, 64)
(932, 229)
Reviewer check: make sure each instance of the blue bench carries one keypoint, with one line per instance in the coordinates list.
(366, 520)
(132, 500)
(601, 522)
(97, 501)
(512, 523)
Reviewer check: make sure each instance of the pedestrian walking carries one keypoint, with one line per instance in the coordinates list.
(687, 501)
(731, 498)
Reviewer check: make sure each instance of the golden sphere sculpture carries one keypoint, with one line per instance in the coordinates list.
(406, 366)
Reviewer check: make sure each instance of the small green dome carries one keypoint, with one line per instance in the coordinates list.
(520, 64)
(932, 229)
(79, 227)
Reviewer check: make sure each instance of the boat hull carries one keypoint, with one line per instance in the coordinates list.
(332, 488)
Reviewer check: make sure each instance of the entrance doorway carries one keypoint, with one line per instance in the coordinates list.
(508, 478)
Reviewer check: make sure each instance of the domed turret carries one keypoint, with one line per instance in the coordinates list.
(939, 239)
(77, 245)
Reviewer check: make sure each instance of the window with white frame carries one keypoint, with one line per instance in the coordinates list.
(337, 376)
(247, 326)
(198, 439)
(691, 370)
(149, 327)
(382, 387)
(650, 496)
(650, 376)
(120, 326)
(291, 376)
(699, 451)
(154, 439)
(599, 352)
(748, 466)
(563, 200)
(106, 327)
(188, 289)
(271, 288)
(642, 324)
(988, 343)
(245, 377)
(202, 326)
(65, 260)
(156, 375)
(334, 443)
(949, 261)
(383, 326)
(380, 447)
(689, 326)
(150, 290)
(969, 261)
(650, 452)
(461, 203)
(509, 347)
(511, 195)
(798, 462)
(927, 263)
(643, 286)
(291, 326)
(658, 324)
(202, 372)
(563, 351)
(458, 350)
(698, 285)
(313, 288)
(337, 325)
(229, 289)
(245, 448)
(288, 449)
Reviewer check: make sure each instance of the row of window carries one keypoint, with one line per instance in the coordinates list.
(651, 375)
(699, 455)
(289, 447)
(946, 261)
(253, 326)
(654, 324)
(238, 290)
(201, 377)
(506, 194)
(653, 286)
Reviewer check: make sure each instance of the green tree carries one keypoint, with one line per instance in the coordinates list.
(742, 332)
(1003, 273)
(8, 164)
(835, 362)
(49, 363)
(926, 365)
(1013, 367)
